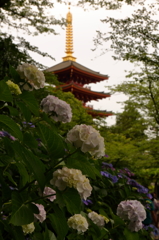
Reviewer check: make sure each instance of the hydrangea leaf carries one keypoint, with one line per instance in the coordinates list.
(54, 142)
(21, 213)
(79, 161)
(131, 235)
(23, 172)
(18, 233)
(38, 236)
(33, 163)
(24, 110)
(59, 223)
(30, 101)
(30, 141)
(14, 129)
(48, 235)
(6, 192)
(5, 94)
(71, 198)
(14, 74)
(13, 111)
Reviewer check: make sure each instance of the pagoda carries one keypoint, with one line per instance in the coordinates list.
(74, 76)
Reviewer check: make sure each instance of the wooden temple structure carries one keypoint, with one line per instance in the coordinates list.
(74, 76)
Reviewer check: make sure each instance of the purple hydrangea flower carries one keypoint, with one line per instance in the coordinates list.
(4, 217)
(155, 230)
(108, 165)
(87, 202)
(6, 134)
(127, 172)
(147, 206)
(109, 175)
(39, 142)
(29, 124)
(149, 195)
(105, 174)
(140, 188)
(12, 138)
(120, 175)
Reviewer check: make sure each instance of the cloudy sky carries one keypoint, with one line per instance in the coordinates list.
(85, 24)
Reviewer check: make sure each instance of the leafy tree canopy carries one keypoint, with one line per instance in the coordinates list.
(27, 17)
(130, 123)
(109, 4)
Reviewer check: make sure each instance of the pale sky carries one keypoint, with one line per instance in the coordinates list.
(85, 24)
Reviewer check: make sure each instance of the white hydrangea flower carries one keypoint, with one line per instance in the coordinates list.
(41, 216)
(66, 177)
(97, 218)
(88, 139)
(14, 88)
(78, 222)
(135, 226)
(29, 228)
(59, 109)
(132, 211)
(49, 191)
(31, 75)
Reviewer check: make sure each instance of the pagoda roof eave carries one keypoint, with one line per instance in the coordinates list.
(83, 90)
(98, 113)
(66, 65)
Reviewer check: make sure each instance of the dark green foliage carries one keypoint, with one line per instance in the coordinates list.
(29, 17)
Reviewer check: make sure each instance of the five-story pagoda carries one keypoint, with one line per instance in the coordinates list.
(74, 76)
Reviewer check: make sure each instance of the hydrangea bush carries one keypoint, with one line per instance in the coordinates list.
(58, 188)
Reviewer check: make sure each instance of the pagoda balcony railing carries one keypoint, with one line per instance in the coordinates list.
(88, 87)
(89, 106)
(79, 84)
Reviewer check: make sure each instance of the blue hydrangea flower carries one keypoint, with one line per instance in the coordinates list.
(155, 230)
(109, 175)
(149, 195)
(127, 172)
(108, 165)
(87, 202)
(140, 188)
(6, 134)
(29, 124)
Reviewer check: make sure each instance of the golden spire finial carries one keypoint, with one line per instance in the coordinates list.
(69, 38)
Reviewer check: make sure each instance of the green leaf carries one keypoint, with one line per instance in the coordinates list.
(33, 208)
(23, 173)
(59, 223)
(21, 213)
(79, 161)
(33, 163)
(14, 74)
(13, 111)
(13, 127)
(8, 147)
(30, 141)
(24, 110)
(38, 236)
(6, 192)
(30, 101)
(18, 233)
(5, 94)
(7, 174)
(131, 235)
(55, 144)
(51, 235)
(48, 235)
(71, 198)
